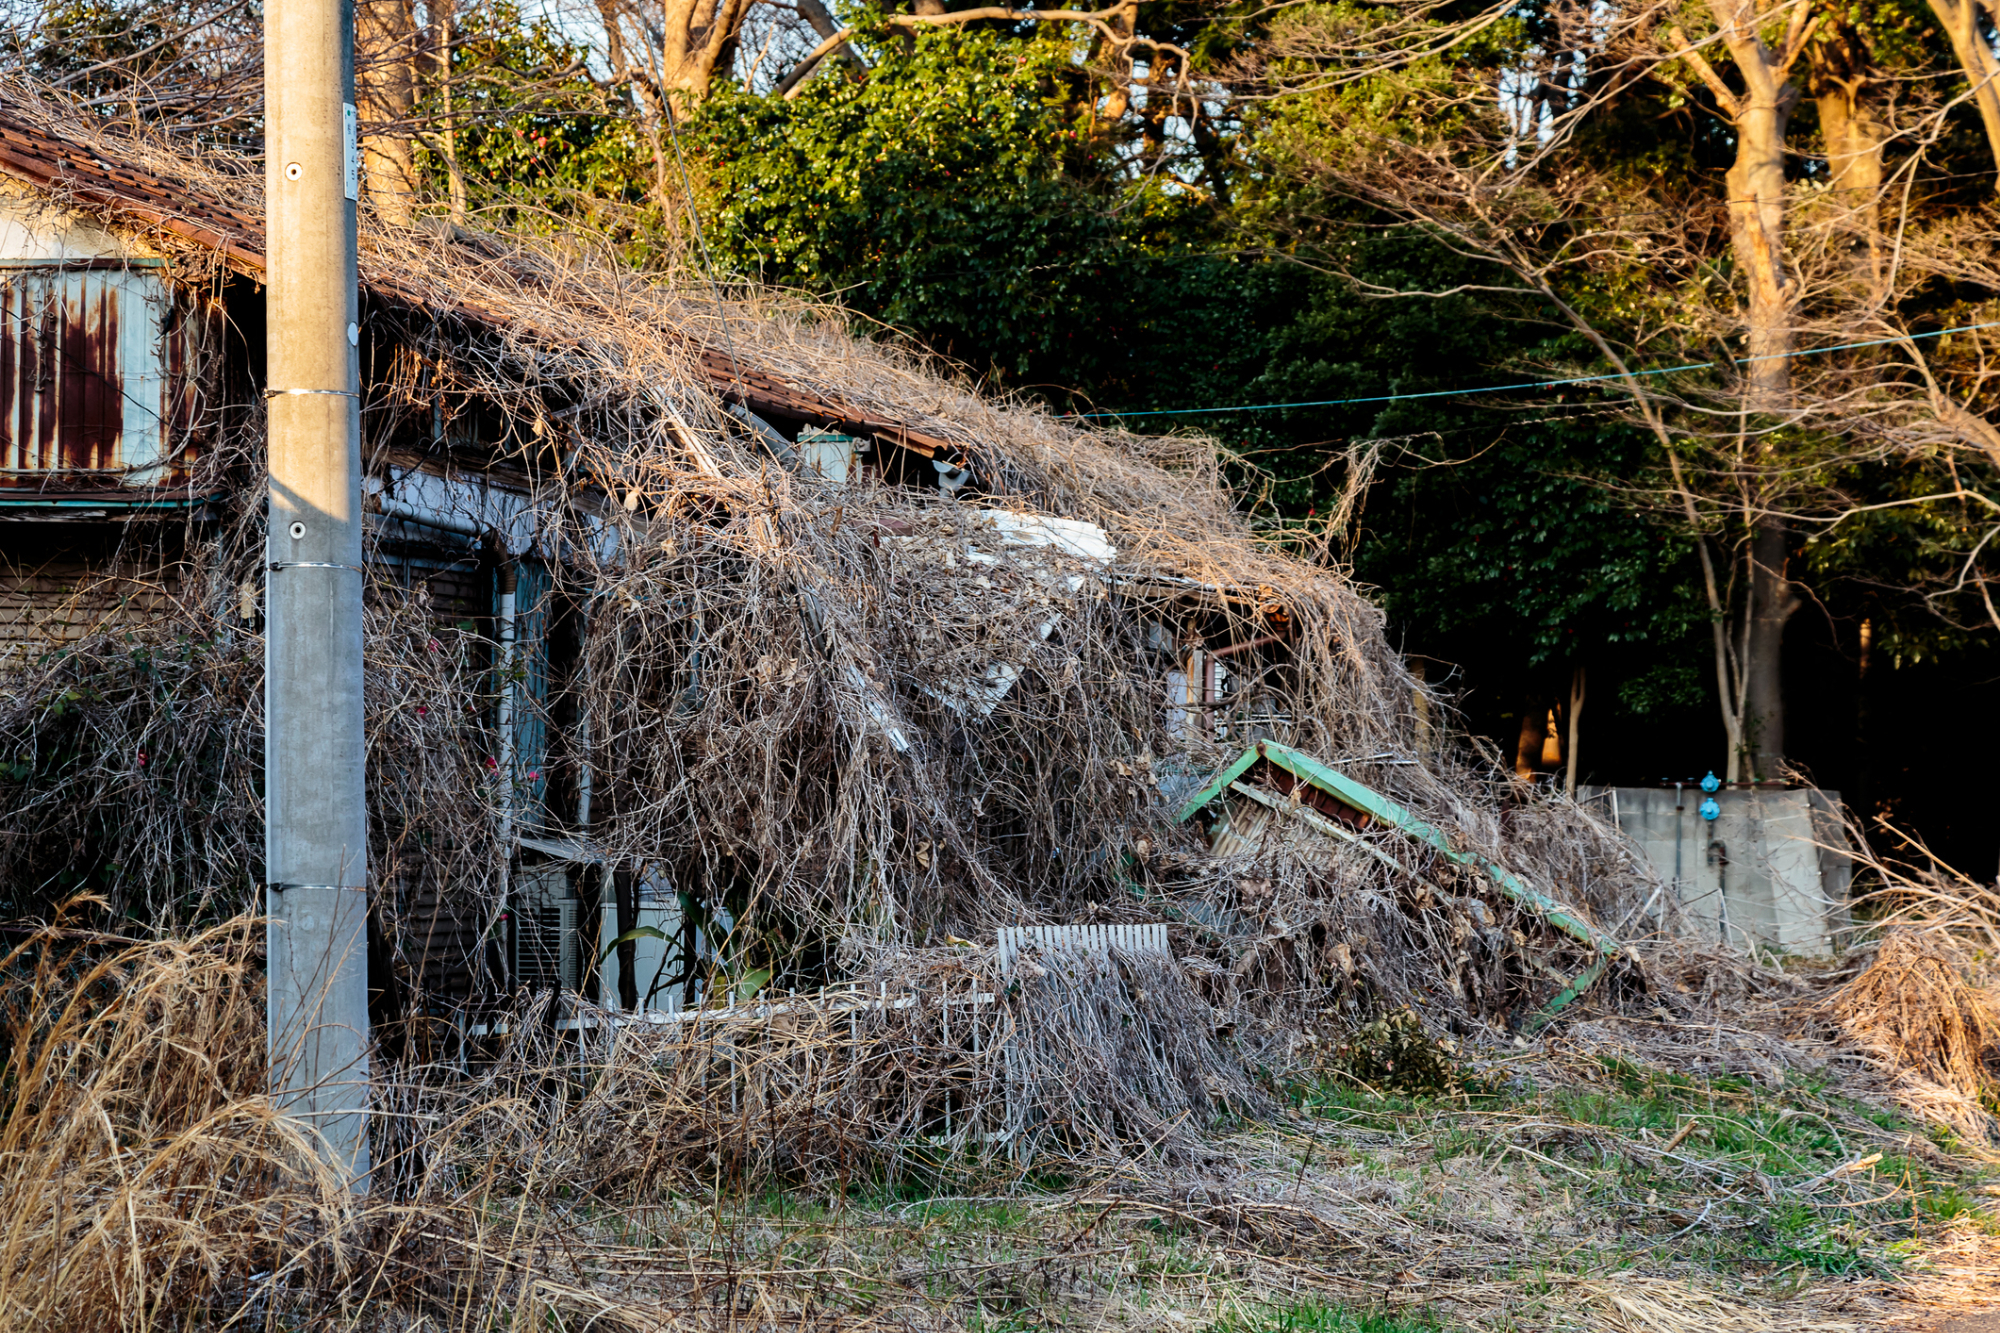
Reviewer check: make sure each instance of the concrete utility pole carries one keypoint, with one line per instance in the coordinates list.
(316, 830)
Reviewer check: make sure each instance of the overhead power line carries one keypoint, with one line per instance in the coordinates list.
(1529, 384)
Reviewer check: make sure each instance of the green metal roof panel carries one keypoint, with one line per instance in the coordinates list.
(1371, 802)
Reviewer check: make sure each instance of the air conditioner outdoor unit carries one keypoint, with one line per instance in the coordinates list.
(547, 949)
(655, 961)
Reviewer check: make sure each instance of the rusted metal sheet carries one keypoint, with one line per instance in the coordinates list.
(84, 374)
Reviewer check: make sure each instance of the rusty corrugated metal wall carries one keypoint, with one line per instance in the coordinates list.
(84, 376)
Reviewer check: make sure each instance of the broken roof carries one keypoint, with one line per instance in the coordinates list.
(860, 704)
(561, 332)
(34, 153)
(568, 342)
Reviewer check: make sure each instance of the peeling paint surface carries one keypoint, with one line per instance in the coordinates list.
(83, 375)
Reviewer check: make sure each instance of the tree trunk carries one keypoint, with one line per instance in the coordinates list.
(1576, 682)
(1756, 184)
(1213, 155)
(1960, 20)
(824, 23)
(1757, 218)
(1118, 97)
(1861, 796)
(442, 16)
(668, 55)
(1771, 605)
(1552, 745)
(385, 92)
(1854, 139)
(698, 36)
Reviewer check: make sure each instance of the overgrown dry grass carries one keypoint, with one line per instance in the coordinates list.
(1917, 1010)
(650, 1182)
(1917, 997)
(144, 1175)
(755, 643)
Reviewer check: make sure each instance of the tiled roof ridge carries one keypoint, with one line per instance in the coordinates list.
(43, 157)
(40, 156)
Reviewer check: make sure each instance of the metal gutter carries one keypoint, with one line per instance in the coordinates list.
(1380, 808)
(564, 849)
(771, 437)
(504, 671)
(101, 263)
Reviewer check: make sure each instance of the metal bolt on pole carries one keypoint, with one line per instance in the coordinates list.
(316, 830)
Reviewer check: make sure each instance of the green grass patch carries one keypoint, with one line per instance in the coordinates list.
(1337, 1097)
(1747, 1181)
(1317, 1317)
(965, 1214)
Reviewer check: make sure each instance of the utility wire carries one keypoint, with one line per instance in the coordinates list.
(1531, 384)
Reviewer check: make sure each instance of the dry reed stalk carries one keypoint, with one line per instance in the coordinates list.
(934, 1063)
(143, 1174)
(743, 630)
(1916, 1011)
(1919, 1005)
(1632, 1304)
(614, 1183)
(1916, 1004)
(1958, 1272)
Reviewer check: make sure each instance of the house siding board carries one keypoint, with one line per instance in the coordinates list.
(458, 589)
(460, 594)
(440, 946)
(62, 601)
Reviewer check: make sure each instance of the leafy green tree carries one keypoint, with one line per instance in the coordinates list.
(529, 140)
(989, 189)
(954, 194)
(1484, 524)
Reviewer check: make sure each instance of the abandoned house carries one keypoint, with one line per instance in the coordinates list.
(704, 641)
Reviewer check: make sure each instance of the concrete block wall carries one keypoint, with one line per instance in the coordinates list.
(1771, 871)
